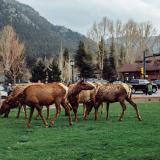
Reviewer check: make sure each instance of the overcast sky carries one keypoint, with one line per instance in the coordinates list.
(79, 15)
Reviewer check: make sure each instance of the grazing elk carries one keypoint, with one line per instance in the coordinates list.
(110, 93)
(16, 91)
(75, 96)
(35, 96)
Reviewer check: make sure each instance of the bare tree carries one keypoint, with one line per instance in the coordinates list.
(131, 39)
(11, 53)
(99, 32)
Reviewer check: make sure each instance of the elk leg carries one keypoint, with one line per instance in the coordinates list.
(58, 111)
(39, 109)
(25, 111)
(19, 110)
(89, 106)
(85, 116)
(102, 108)
(7, 113)
(36, 117)
(84, 109)
(135, 107)
(75, 108)
(70, 108)
(96, 114)
(107, 109)
(48, 112)
(123, 110)
(96, 110)
(30, 117)
(67, 109)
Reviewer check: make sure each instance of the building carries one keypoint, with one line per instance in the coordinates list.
(133, 71)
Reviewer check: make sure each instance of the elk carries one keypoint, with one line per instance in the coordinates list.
(76, 95)
(17, 90)
(111, 93)
(35, 96)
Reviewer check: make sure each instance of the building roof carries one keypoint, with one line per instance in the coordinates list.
(136, 67)
(152, 64)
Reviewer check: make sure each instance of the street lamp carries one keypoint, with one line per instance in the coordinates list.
(72, 65)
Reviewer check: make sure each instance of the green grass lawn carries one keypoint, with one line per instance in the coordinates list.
(86, 140)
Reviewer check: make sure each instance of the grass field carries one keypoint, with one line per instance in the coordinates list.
(86, 140)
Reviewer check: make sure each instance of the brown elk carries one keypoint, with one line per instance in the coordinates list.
(75, 96)
(110, 93)
(35, 96)
(17, 90)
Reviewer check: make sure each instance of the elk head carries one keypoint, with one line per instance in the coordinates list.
(5, 107)
(82, 85)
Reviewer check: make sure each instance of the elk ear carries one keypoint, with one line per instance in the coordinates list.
(81, 81)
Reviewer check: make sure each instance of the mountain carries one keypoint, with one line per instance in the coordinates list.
(41, 38)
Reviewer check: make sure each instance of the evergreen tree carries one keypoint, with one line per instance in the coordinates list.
(109, 70)
(66, 54)
(83, 61)
(38, 72)
(54, 72)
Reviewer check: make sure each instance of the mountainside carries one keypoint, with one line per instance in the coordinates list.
(40, 36)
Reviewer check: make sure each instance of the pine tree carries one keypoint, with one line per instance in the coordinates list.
(38, 72)
(53, 72)
(66, 55)
(109, 70)
(83, 61)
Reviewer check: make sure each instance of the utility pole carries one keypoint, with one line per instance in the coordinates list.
(144, 64)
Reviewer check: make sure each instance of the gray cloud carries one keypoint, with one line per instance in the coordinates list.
(80, 14)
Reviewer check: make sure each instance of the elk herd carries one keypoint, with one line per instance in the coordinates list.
(91, 95)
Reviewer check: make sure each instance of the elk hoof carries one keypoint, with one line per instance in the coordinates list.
(47, 126)
(140, 119)
(120, 120)
(51, 124)
(76, 120)
(28, 126)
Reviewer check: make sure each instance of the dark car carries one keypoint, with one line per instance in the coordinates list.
(157, 82)
(141, 85)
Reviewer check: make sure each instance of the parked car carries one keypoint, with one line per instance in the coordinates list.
(117, 82)
(3, 92)
(157, 82)
(141, 85)
(97, 80)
